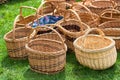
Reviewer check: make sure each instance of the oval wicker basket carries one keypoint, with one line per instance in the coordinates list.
(16, 40)
(97, 6)
(95, 51)
(22, 21)
(47, 56)
(88, 17)
(112, 28)
(72, 28)
(109, 15)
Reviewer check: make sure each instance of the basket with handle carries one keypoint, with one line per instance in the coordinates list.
(22, 21)
(97, 52)
(112, 28)
(88, 17)
(97, 6)
(47, 56)
(16, 40)
(72, 28)
(109, 15)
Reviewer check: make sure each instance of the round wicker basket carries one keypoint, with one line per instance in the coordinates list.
(47, 56)
(95, 51)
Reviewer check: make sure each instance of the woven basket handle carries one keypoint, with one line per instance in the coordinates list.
(109, 10)
(112, 1)
(27, 7)
(40, 8)
(74, 4)
(100, 32)
(14, 25)
(47, 26)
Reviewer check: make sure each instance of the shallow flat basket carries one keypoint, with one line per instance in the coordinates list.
(16, 40)
(47, 56)
(95, 51)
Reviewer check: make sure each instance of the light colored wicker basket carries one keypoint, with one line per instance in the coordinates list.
(22, 21)
(95, 51)
(16, 40)
(47, 56)
(72, 28)
(97, 6)
(109, 15)
(88, 17)
(112, 28)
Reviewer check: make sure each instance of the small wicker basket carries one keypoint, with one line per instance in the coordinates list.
(109, 15)
(97, 6)
(72, 28)
(88, 17)
(112, 28)
(16, 40)
(22, 21)
(47, 56)
(95, 51)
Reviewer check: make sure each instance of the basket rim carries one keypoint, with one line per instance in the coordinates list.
(91, 4)
(45, 53)
(94, 50)
(20, 39)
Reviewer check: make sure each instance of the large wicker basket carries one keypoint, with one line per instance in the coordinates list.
(16, 40)
(112, 28)
(109, 15)
(95, 51)
(88, 17)
(97, 6)
(47, 56)
(72, 28)
(22, 21)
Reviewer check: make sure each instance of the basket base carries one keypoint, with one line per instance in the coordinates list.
(53, 72)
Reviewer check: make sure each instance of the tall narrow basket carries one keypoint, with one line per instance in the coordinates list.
(47, 56)
(95, 51)
(16, 40)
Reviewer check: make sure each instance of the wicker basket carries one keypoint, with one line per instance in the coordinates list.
(97, 6)
(16, 40)
(25, 20)
(47, 56)
(109, 15)
(95, 51)
(72, 28)
(112, 28)
(88, 17)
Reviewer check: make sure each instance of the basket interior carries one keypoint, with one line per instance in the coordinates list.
(20, 33)
(45, 46)
(71, 25)
(102, 4)
(94, 42)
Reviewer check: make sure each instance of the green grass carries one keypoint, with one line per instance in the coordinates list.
(20, 70)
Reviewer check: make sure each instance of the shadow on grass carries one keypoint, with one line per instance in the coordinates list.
(30, 75)
(84, 73)
(7, 62)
